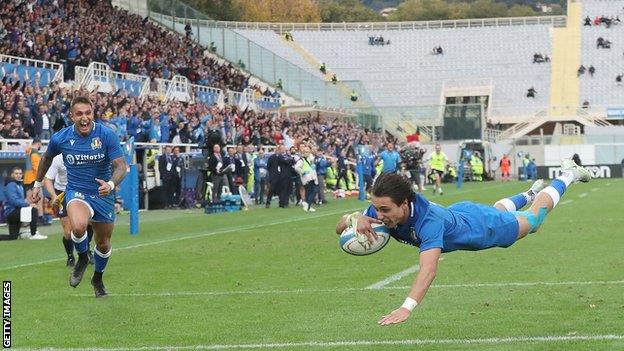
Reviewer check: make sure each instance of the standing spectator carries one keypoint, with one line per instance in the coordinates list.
(306, 168)
(166, 169)
(13, 204)
(215, 165)
(245, 160)
(390, 158)
(32, 163)
(342, 170)
(322, 163)
(178, 163)
(45, 122)
(278, 166)
(188, 29)
(233, 169)
(260, 176)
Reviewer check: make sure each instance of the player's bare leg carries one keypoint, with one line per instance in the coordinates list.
(102, 235)
(79, 214)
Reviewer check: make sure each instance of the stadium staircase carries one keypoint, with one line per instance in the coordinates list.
(566, 59)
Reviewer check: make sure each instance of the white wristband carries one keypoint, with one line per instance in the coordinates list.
(409, 304)
(37, 184)
(111, 184)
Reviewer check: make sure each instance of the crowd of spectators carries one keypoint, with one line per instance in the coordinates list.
(32, 112)
(76, 33)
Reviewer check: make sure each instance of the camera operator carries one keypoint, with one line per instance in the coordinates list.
(412, 157)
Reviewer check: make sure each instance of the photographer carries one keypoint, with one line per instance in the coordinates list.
(412, 157)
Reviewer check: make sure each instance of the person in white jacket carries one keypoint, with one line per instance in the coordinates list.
(306, 169)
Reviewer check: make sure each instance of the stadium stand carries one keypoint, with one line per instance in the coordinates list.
(601, 88)
(97, 32)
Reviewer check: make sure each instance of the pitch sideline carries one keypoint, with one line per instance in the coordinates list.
(364, 343)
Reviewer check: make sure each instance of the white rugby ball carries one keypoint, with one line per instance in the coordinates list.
(360, 246)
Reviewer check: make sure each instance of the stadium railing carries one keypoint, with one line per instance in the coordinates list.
(556, 21)
(26, 69)
(178, 88)
(258, 60)
(208, 95)
(101, 76)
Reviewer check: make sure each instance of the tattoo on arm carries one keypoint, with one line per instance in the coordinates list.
(119, 170)
(44, 165)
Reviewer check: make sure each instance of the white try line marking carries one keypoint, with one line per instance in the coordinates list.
(395, 277)
(194, 236)
(338, 290)
(594, 189)
(582, 195)
(566, 202)
(363, 343)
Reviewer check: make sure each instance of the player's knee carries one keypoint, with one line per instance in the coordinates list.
(103, 246)
(79, 228)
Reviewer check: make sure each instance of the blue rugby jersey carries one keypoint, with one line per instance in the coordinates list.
(462, 226)
(86, 158)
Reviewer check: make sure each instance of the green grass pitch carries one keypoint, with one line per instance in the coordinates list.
(276, 280)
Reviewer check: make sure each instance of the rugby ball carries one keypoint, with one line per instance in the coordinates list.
(359, 245)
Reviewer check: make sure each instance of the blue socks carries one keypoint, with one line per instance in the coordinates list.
(101, 259)
(80, 244)
(517, 201)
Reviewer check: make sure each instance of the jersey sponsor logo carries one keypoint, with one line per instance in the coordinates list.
(96, 143)
(79, 195)
(79, 159)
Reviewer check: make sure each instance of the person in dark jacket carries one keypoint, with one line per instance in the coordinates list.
(166, 170)
(279, 166)
(216, 168)
(13, 204)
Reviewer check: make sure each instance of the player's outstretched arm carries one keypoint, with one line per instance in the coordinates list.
(424, 278)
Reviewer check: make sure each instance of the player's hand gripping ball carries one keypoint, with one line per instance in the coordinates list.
(357, 244)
